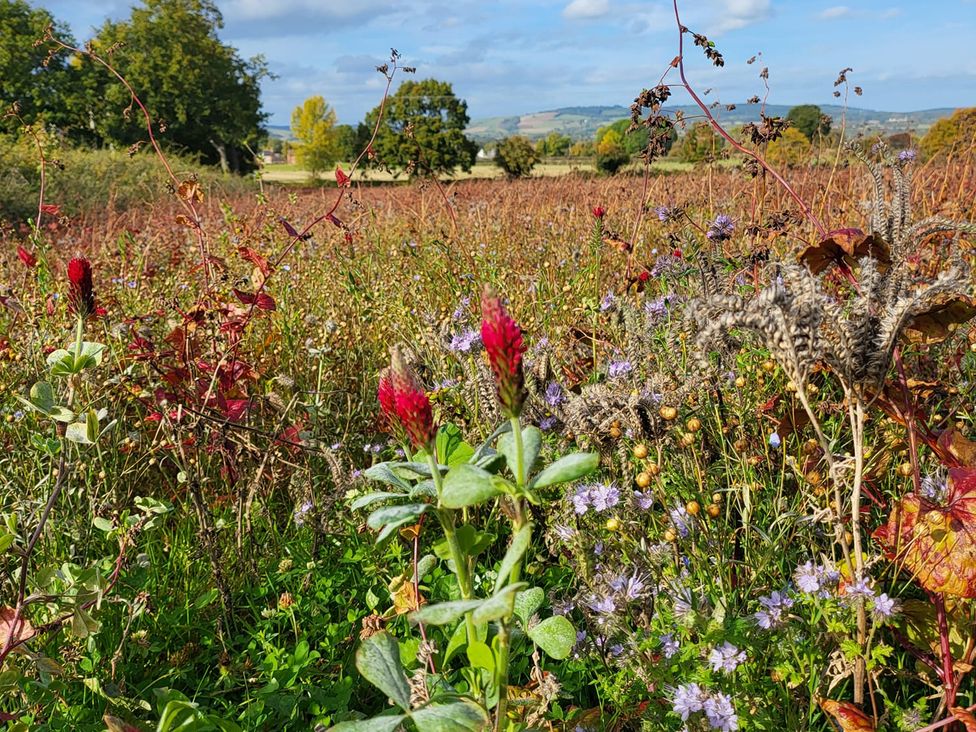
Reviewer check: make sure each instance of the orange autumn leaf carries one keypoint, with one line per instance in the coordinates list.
(844, 246)
(189, 190)
(959, 446)
(937, 543)
(14, 632)
(849, 718)
(964, 716)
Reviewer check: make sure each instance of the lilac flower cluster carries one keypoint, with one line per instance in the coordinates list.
(907, 156)
(721, 228)
(465, 341)
(775, 610)
(934, 488)
(554, 395)
(726, 657)
(598, 496)
(815, 579)
(666, 264)
(682, 521)
(607, 303)
(691, 699)
(669, 645)
(619, 368)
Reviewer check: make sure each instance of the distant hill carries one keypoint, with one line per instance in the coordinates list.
(583, 122)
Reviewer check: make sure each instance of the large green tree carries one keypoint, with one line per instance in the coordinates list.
(37, 83)
(633, 141)
(313, 126)
(422, 130)
(203, 97)
(955, 133)
(699, 143)
(516, 156)
(810, 120)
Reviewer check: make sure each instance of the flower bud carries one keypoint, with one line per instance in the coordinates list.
(410, 403)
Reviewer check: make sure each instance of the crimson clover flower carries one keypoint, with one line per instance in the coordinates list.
(504, 345)
(81, 291)
(405, 404)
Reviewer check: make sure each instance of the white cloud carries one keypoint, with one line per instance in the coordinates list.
(586, 9)
(837, 11)
(734, 14)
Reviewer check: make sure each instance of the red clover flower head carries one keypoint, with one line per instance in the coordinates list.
(504, 345)
(402, 395)
(81, 291)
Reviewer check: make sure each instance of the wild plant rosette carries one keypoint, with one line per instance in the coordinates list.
(460, 486)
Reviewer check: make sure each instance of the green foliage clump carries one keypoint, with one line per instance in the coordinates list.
(791, 148)
(37, 84)
(634, 141)
(611, 154)
(203, 97)
(422, 130)
(313, 126)
(92, 180)
(554, 145)
(951, 134)
(810, 120)
(700, 143)
(516, 156)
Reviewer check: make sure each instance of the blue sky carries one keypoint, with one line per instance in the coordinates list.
(511, 57)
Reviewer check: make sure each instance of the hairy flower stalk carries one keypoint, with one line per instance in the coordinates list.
(406, 409)
(503, 343)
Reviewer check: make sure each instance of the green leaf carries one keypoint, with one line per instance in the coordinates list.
(462, 716)
(83, 624)
(91, 426)
(42, 396)
(61, 414)
(378, 660)
(480, 656)
(206, 598)
(61, 362)
(395, 514)
(531, 444)
(451, 449)
(78, 432)
(459, 639)
(499, 606)
(528, 602)
(374, 724)
(556, 636)
(467, 485)
(568, 468)
(6, 541)
(372, 498)
(383, 473)
(102, 524)
(444, 613)
(520, 543)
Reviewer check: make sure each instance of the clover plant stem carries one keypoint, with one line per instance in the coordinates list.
(446, 519)
(505, 626)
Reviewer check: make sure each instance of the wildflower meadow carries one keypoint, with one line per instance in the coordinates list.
(686, 449)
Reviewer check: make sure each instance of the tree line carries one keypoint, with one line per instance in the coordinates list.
(204, 101)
